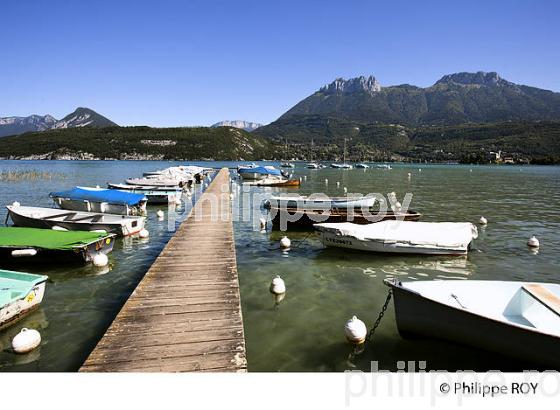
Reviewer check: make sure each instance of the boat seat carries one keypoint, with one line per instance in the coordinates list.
(544, 296)
(63, 215)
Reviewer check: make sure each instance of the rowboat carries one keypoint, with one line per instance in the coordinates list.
(294, 218)
(275, 182)
(252, 173)
(21, 245)
(320, 202)
(155, 194)
(521, 319)
(100, 200)
(428, 238)
(20, 293)
(51, 218)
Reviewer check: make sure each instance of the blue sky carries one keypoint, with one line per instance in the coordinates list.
(172, 63)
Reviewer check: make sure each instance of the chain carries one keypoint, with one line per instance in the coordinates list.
(381, 314)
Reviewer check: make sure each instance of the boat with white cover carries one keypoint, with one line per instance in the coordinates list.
(521, 319)
(100, 200)
(393, 236)
(155, 194)
(52, 218)
(320, 202)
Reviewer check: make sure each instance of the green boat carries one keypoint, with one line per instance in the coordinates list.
(32, 245)
(20, 293)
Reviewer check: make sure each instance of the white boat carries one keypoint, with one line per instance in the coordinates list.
(312, 165)
(259, 172)
(393, 236)
(158, 181)
(51, 218)
(100, 200)
(362, 165)
(341, 166)
(383, 166)
(20, 293)
(320, 202)
(155, 194)
(520, 319)
(287, 165)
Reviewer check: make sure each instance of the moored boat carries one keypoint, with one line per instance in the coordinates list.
(312, 165)
(155, 194)
(52, 218)
(520, 319)
(394, 236)
(20, 293)
(275, 182)
(100, 200)
(305, 219)
(31, 245)
(320, 202)
(362, 165)
(254, 173)
(341, 166)
(287, 165)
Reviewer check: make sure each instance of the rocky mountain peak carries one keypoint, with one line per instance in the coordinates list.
(478, 78)
(352, 85)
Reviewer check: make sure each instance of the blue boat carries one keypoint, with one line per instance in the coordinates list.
(110, 201)
(258, 172)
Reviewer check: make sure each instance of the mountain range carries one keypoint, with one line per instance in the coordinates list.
(81, 117)
(244, 125)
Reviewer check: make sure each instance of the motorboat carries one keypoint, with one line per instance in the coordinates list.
(31, 245)
(100, 200)
(394, 236)
(274, 182)
(52, 218)
(287, 165)
(361, 165)
(155, 194)
(341, 166)
(520, 319)
(259, 172)
(312, 165)
(20, 293)
(322, 202)
(292, 218)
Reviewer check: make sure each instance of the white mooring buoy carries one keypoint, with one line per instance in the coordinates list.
(277, 286)
(144, 233)
(337, 184)
(26, 340)
(533, 242)
(16, 204)
(355, 331)
(326, 181)
(100, 259)
(263, 224)
(345, 190)
(483, 220)
(285, 242)
(160, 214)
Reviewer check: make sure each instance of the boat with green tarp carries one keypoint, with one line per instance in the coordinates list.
(24, 245)
(20, 293)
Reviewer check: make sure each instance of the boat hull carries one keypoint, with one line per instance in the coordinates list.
(420, 316)
(18, 309)
(78, 255)
(155, 195)
(125, 228)
(305, 219)
(332, 239)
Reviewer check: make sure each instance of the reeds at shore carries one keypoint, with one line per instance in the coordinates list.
(28, 175)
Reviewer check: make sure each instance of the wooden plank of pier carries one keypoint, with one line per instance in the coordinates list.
(185, 314)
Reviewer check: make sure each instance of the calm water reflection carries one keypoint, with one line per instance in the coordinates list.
(325, 286)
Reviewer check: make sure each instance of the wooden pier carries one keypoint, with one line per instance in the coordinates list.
(185, 314)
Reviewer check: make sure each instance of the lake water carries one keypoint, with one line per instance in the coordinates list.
(325, 286)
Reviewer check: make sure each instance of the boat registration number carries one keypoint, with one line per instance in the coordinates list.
(339, 241)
